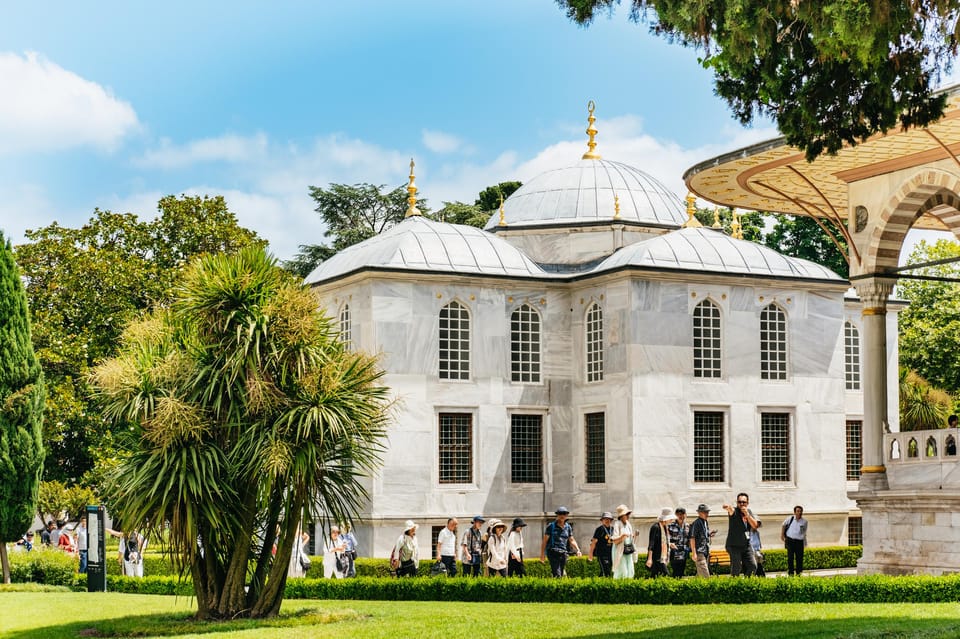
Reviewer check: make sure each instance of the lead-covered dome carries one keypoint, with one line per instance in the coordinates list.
(711, 251)
(584, 193)
(419, 244)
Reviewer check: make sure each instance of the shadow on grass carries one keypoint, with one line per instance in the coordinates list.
(174, 624)
(171, 625)
(841, 628)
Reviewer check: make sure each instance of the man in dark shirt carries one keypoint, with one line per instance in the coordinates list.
(742, 524)
(558, 541)
(600, 545)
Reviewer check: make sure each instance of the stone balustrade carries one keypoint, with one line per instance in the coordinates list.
(922, 459)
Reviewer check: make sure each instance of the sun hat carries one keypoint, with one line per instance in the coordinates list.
(562, 510)
(606, 515)
(703, 508)
(622, 510)
(518, 523)
(666, 515)
(408, 525)
(478, 518)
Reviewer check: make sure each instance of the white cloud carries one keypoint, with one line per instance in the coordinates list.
(226, 148)
(45, 107)
(440, 142)
(276, 204)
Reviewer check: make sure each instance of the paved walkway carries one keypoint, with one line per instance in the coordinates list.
(829, 572)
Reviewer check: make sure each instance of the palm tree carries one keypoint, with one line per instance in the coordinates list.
(922, 406)
(249, 412)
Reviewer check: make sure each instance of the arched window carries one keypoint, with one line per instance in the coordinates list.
(706, 340)
(346, 327)
(950, 446)
(773, 343)
(851, 355)
(454, 342)
(594, 339)
(894, 449)
(525, 345)
(931, 447)
(913, 449)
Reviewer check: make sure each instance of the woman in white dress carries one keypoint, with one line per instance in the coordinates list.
(299, 556)
(497, 549)
(333, 553)
(624, 545)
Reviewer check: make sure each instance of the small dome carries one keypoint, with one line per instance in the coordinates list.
(419, 244)
(711, 251)
(584, 192)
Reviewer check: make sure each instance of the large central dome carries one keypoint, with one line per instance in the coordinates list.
(584, 193)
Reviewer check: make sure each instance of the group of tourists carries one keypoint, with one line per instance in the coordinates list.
(339, 554)
(497, 549)
(55, 535)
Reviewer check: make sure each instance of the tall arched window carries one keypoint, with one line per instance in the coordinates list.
(525, 345)
(851, 355)
(346, 327)
(594, 340)
(454, 342)
(706, 340)
(773, 343)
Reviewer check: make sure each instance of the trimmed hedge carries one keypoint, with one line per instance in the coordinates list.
(870, 589)
(43, 566)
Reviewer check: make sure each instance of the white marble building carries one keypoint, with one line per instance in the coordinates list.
(593, 347)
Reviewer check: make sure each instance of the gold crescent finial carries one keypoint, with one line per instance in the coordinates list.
(692, 221)
(591, 153)
(616, 206)
(412, 209)
(503, 218)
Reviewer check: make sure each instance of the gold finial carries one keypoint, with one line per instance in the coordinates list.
(616, 206)
(503, 218)
(591, 153)
(716, 218)
(412, 209)
(736, 229)
(692, 221)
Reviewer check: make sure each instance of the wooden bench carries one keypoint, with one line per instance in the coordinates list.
(718, 558)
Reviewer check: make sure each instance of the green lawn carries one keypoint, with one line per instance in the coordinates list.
(61, 615)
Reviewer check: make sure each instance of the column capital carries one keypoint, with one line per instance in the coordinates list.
(873, 293)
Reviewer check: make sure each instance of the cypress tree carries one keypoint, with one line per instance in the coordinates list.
(22, 395)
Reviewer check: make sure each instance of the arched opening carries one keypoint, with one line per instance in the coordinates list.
(913, 448)
(931, 448)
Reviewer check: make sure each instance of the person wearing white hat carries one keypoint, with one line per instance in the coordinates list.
(497, 549)
(624, 540)
(658, 554)
(405, 558)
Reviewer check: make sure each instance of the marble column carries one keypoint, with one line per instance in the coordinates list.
(873, 292)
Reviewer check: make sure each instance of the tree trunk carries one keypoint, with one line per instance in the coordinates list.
(6, 562)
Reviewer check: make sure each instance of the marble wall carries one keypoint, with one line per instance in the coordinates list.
(648, 395)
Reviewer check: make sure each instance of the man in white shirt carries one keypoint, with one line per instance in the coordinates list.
(447, 547)
(794, 536)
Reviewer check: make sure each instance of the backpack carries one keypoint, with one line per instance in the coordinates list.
(132, 549)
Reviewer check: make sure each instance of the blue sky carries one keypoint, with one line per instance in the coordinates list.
(115, 104)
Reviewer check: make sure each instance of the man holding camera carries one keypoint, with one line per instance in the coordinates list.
(742, 523)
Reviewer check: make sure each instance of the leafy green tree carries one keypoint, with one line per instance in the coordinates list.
(930, 325)
(489, 198)
(751, 222)
(830, 72)
(248, 410)
(21, 409)
(460, 213)
(85, 284)
(351, 213)
(801, 236)
(922, 406)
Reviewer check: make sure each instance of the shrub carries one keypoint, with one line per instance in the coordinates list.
(43, 566)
